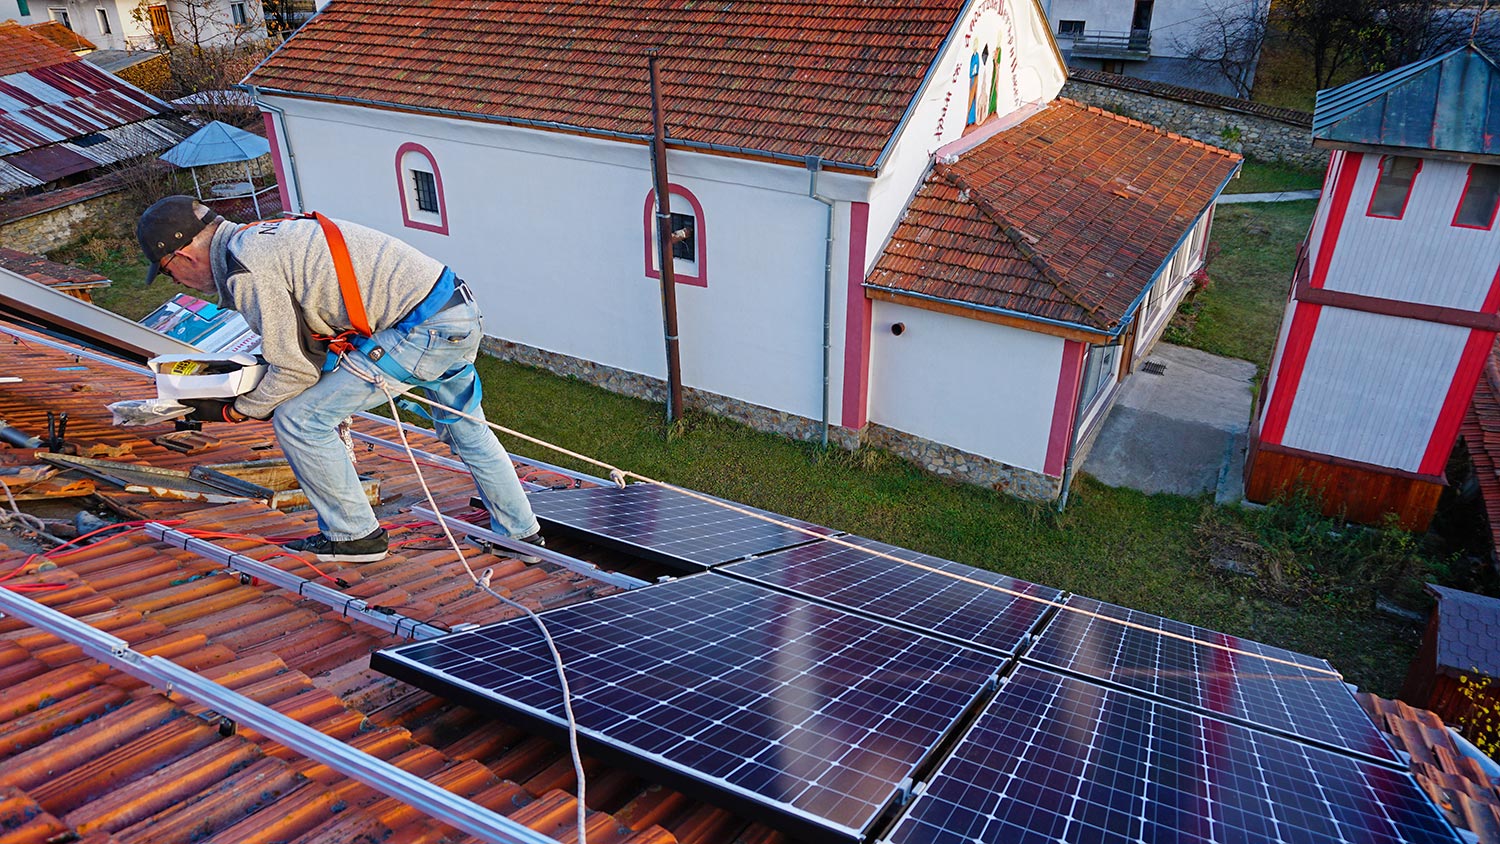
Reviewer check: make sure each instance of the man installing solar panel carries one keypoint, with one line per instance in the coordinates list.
(341, 309)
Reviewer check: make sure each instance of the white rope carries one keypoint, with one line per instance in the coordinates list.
(27, 521)
(483, 582)
(618, 475)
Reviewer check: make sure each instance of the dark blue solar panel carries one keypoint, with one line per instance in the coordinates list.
(810, 715)
(1054, 759)
(659, 523)
(960, 609)
(1216, 673)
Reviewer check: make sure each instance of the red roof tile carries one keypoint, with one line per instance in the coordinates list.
(1481, 432)
(830, 78)
(89, 752)
(22, 50)
(60, 35)
(1066, 216)
(50, 273)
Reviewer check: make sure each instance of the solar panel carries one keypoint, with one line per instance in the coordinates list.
(1056, 759)
(1288, 692)
(946, 606)
(661, 524)
(805, 716)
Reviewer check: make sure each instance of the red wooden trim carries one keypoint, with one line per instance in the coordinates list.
(1064, 405)
(408, 199)
(1460, 394)
(1344, 462)
(1343, 189)
(281, 182)
(1469, 180)
(1405, 200)
(1293, 358)
(1484, 321)
(1492, 299)
(856, 402)
(648, 215)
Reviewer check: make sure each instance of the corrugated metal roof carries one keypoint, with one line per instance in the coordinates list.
(1066, 216)
(14, 178)
(46, 105)
(51, 163)
(121, 143)
(1449, 102)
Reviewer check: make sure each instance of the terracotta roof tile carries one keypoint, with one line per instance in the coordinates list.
(50, 273)
(60, 35)
(88, 751)
(797, 77)
(1065, 216)
(22, 49)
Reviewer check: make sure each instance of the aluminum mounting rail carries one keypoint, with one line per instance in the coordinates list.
(354, 608)
(168, 676)
(573, 564)
(72, 349)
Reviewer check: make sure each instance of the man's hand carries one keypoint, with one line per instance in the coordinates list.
(212, 410)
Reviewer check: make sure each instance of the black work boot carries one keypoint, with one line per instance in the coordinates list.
(502, 551)
(366, 549)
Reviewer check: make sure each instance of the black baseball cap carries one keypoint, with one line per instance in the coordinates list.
(167, 226)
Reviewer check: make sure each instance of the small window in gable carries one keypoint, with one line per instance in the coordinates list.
(103, 21)
(1476, 208)
(689, 249)
(1393, 186)
(421, 189)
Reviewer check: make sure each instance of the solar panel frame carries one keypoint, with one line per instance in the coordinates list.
(905, 595)
(1292, 694)
(805, 716)
(1055, 758)
(660, 524)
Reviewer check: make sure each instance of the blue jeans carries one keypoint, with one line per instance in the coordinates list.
(306, 426)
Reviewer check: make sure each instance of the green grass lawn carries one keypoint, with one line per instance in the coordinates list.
(1271, 177)
(119, 259)
(1121, 546)
(1240, 312)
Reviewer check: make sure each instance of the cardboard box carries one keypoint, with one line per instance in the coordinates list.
(206, 376)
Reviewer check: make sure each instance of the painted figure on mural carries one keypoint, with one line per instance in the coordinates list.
(973, 89)
(995, 80)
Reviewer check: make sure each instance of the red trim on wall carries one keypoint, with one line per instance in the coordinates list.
(1343, 189)
(856, 403)
(281, 184)
(407, 200)
(1293, 358)
(1492, 299)
(1405, 200)
(1469, 180)
(701, 278)
(1064, 405)
(1460, 394)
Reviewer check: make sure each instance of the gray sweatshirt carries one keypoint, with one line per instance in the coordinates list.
(279, 274)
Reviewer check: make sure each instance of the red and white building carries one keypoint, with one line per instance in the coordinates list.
(1394, 304)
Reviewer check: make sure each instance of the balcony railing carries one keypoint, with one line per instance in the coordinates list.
(1134, 45)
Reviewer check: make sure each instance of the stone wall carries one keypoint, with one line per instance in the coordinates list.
(1262, 132)
(942, 460)
(58, 222)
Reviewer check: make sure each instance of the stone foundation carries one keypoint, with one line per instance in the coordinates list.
(942, 460)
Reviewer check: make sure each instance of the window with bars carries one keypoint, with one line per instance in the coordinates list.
(684, 237)
(426, 188)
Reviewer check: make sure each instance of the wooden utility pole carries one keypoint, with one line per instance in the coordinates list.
(664, 245)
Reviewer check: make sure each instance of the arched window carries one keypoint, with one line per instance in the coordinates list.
(689, 244)
(420, 187)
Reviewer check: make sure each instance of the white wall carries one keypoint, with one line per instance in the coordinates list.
(984, 388)
(548, 229)
(1421, 257)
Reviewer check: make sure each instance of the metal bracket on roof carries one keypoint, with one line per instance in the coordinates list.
(162, 673)
(242, 565)
(573, 564)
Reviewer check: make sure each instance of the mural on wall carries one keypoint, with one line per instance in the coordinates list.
(988, 77)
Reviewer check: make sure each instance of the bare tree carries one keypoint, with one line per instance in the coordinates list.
(1227, 41)
(1330, 32)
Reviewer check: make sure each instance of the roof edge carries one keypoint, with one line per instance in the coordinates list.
(1076, 328)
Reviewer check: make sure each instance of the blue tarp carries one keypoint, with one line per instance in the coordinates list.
(217, 143)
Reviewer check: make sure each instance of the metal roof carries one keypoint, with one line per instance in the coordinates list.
(46, 105)
(1449, 103)
(217, 143)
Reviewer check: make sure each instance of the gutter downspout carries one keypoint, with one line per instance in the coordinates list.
(291, 157)
(814, 164)
(1067, 479)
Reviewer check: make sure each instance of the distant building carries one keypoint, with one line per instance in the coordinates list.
(1168, 41)
(59, 34)
(1395, 302)
(133, 25)
(1460, 648)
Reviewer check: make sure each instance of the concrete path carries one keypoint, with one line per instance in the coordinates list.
(1283, 196)
(1183, 431)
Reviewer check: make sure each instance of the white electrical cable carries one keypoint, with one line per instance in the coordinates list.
(483, 582)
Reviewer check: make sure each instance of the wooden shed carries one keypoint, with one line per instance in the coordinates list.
(1393, 306)
(1462, 642)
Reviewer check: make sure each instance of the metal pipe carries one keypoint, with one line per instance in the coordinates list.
(17, 438)
(291, 157)
(573, 564)
(168, 676)
(354, 608)
(664, 243)
(1078, 406)
(815, 163)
